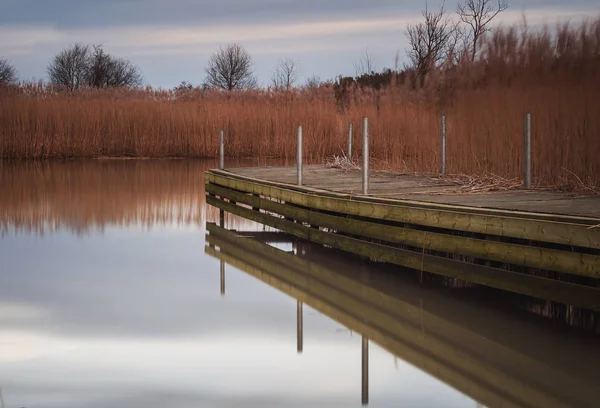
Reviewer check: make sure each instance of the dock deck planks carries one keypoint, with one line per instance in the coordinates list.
(428, 189)
(535, 243)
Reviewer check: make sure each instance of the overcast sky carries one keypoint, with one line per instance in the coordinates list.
(172, 40)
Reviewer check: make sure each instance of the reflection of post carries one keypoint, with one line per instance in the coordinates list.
(299, 329)
(221, 218)
(222, 278)
(365, 371)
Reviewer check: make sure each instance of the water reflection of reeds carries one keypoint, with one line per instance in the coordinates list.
(81, 196)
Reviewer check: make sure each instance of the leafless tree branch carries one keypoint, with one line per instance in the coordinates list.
(313, 81)
(286, 74)
(431, 42)
(477, 15)
(68, 68)
(105, 71)
(230, 68)
(365, 65)
(77, 66)
(8, 73)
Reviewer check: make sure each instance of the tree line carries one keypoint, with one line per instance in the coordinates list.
(438, 41)
(80, 66)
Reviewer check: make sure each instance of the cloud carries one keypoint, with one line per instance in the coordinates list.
(171, 41)
(265, 38)
(161, 40)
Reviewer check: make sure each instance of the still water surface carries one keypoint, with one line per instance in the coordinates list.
(110, 297)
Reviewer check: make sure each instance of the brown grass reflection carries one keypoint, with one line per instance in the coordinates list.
(81, 196)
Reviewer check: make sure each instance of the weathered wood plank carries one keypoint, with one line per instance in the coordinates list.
(463, 204)
(428, 189)
(563, 292)
(536, 257)
(500, 224)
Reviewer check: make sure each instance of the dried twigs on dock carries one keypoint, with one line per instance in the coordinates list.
(341, 162)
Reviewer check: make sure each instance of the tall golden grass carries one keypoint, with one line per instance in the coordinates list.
(81, 196)
(552, 73)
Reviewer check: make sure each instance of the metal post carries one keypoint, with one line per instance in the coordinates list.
(527, 159)
(443, 145)
(221, 218)
(222, 151)
(365, 371)
(350, 141)
(299, 157)
(365, 167)
(222, 278)
(300, 327)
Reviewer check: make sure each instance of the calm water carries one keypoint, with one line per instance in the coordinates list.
(111, 297)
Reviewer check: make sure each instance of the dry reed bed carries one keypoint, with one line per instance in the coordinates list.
(43, 197)
(553, 74)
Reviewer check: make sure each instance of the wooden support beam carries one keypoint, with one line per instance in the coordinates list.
(563, 292)
(535, 257)
(508, 224)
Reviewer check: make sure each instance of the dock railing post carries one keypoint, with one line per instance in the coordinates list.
(443, 145)
(365, 163)
(222, 151)
(299, 157)
(527, 157)
(350, 141)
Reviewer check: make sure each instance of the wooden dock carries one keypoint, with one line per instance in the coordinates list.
(540, 244)
(491, 357)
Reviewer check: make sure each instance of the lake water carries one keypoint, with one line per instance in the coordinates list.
(110, 296)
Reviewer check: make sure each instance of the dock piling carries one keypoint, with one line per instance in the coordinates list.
(365, 166)
(443, 145)
(527, 158)
(221, 151)
(365, 371)
(222, 278)
(300, 327)
(299, 157)
(350, 141)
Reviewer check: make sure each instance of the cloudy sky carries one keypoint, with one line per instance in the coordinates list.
(172, 40)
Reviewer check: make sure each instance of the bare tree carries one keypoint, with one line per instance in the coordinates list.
(230, 68)
(313, 81)
(431, 42)
(477, 15)
(286, 74)
(106, 71)
(69, 67)
(184, 86)
(77, 66)
(365, 65)
(8, 73)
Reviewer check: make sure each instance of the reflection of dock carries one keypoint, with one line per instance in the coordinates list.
(491, 358)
